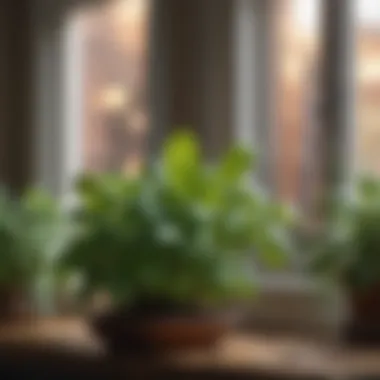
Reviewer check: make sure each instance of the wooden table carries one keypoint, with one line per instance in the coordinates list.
(67, 348)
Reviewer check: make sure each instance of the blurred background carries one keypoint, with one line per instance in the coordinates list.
(97, 86)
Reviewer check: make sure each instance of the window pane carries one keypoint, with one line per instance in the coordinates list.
(297, 41)
(114, 73)
(368, 80)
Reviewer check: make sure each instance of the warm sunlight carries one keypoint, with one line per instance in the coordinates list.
(367, 11)
(306, 14)
(130, 10)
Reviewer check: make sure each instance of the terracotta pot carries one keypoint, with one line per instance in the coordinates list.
(161, 333)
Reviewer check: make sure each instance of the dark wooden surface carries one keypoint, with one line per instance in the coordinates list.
(67, 349)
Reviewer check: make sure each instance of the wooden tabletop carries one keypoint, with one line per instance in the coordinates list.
(274, 357)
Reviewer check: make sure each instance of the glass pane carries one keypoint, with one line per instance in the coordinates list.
(368, 85)
(114, 46)
(297, 42)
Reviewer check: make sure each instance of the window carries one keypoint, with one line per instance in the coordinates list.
(108, 88)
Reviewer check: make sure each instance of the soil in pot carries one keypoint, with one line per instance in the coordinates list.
(155, 326)
(364, 326)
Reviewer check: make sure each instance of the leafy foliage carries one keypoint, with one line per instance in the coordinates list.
(30, 228)
(350, 249)
(182, 230)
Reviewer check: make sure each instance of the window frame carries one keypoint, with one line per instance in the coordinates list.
(57, 141)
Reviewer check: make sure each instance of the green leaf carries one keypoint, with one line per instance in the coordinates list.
(181, 161)
(273, 249)
(237, 163)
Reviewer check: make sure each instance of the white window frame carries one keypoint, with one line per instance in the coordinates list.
(254, 82)
(58, 134)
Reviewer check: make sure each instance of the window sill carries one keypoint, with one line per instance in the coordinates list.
(296, 304)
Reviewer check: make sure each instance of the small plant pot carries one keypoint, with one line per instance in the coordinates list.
(364, 324)
(154, 334)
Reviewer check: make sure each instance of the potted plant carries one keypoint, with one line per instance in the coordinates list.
(29, 228)
(350, 254)
(175, 244)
